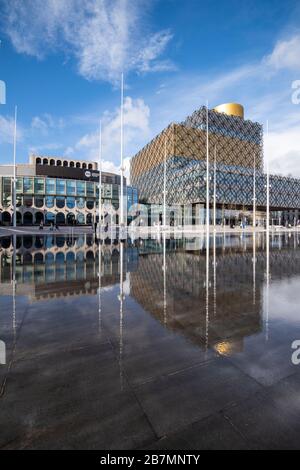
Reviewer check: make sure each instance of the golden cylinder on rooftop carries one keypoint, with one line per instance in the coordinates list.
(232, 109)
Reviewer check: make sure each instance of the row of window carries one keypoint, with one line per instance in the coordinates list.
(39, 185)
(60, 202)
(65, 163)
(50, 217)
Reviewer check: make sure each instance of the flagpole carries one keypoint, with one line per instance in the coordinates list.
(215, 187)
(100, 176)
(268, 183)
(15, 173)
(121, 153)
(254, 193)
(165, 178)
(207, 177)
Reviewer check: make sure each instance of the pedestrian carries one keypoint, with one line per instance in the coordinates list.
(41, 226)
(56, 226)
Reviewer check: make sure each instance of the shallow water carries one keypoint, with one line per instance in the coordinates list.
(173, 346)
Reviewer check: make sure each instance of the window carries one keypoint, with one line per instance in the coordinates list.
(19, 185)
(90, 204)
(80, 202)
(28, 201)
(90, 189)
(39, 185)
(49, 201)
(80, 218)
(80, 188)
(6, 194)
(60, 186)
(50, 217)
(38, 201)
(70, 202)
(28, 185)
(60, 202)
(107, 191)
(71, 188)
(50, 186)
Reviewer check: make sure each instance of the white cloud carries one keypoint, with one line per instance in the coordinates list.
(44, 148)
(286, 54)
(45, 122)
(7, 130)
(105, 36)
(136, 131)
(283, 148)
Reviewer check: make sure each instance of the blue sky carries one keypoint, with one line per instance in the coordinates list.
(61, 61)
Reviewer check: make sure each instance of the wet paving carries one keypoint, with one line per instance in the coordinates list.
(181, 343)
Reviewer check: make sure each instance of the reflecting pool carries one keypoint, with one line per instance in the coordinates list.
(164, 343)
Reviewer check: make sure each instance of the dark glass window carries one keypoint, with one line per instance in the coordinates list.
(90, 189)
(28, 185)
(60, 202)
(70, 202)
(39, 185)
(6, 192)
(49, 201)
(28, 201)
(90, 204)
(38, 201)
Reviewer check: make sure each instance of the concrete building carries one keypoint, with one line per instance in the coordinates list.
(58, 190)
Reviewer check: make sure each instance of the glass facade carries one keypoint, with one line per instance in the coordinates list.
(28, 185)
(39, 192)
(50, 186)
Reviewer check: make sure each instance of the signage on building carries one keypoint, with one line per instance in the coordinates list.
(67, 172)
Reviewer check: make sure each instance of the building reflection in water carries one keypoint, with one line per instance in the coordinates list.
(214, 298)
(45, 267)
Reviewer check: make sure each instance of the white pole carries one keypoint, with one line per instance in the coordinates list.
(165, 180)
(99, 287)
(15, 173)
(100, 176)
(268, 236)
(215, 188)
(268, 182)
(207, 177)
(121, 298)
(165, 278)
(121, 152)
(254, 193)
